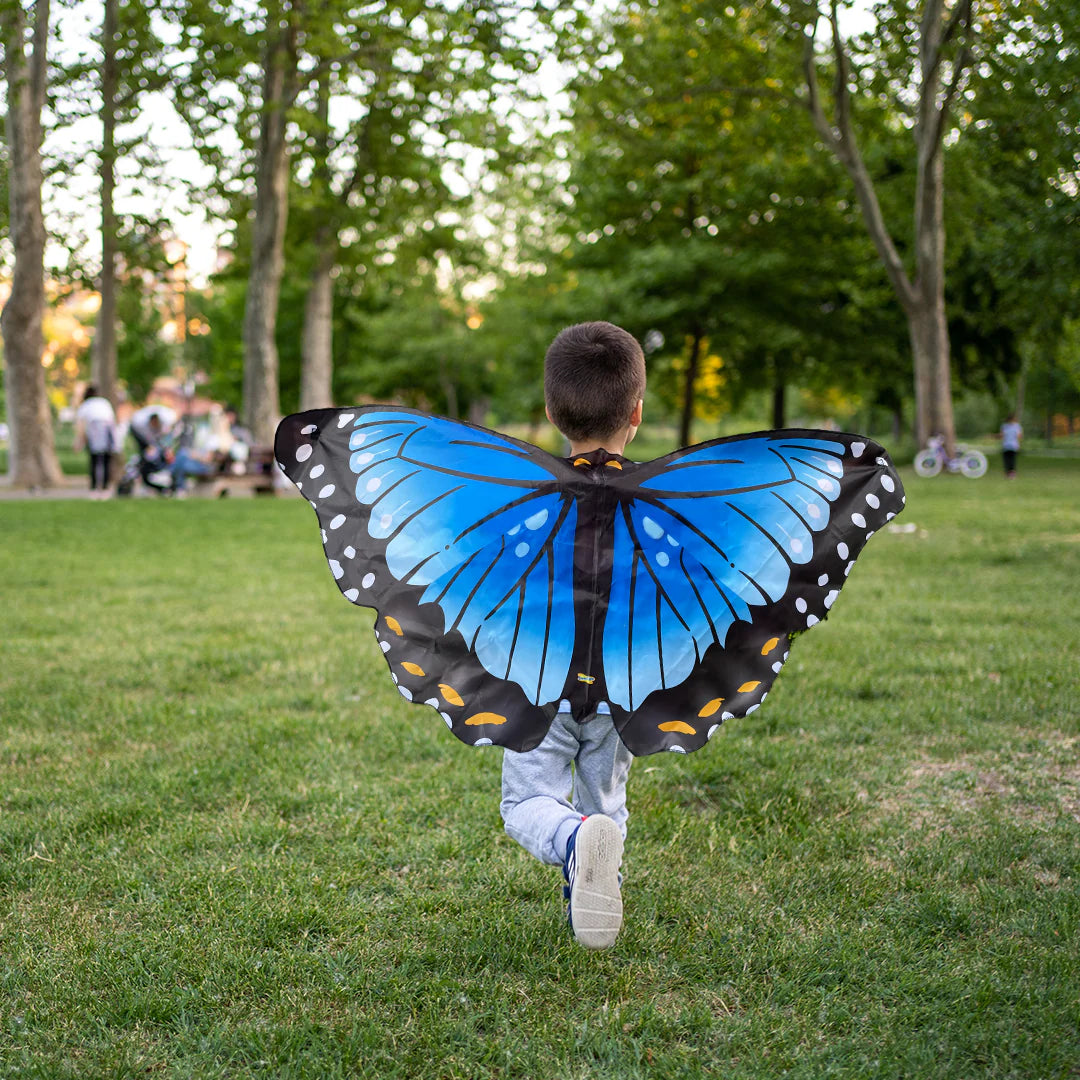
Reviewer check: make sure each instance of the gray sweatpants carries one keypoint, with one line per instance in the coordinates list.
(579, 769)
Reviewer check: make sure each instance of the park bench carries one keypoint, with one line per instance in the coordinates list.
(255, 476)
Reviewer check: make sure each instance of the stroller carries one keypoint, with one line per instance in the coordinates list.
(149, 465)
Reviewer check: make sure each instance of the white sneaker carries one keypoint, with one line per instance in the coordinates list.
(593, 858)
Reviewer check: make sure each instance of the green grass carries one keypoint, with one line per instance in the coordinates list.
(229, 849)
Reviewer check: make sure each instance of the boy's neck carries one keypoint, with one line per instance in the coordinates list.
(614, 446)
(615, 443)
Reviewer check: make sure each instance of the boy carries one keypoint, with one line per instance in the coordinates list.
(565, 801)
(513, 588)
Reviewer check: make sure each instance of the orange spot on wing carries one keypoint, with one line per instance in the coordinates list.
(769, 645)
(394, 625)
(748, 686)
(450, 694)
(581, 461)
(710, 706)
(485, 718)
(677, 725)
(413, 669)
(614, 465)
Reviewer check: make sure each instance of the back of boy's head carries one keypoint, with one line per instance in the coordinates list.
(594, 375)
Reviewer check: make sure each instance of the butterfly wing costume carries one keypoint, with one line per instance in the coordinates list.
(509, 583)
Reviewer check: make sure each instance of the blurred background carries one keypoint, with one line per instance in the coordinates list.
(800, 209)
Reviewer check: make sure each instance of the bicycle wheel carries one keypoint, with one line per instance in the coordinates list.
(927, 463)
(973, 464)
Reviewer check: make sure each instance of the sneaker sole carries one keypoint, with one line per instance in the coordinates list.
(595, 899)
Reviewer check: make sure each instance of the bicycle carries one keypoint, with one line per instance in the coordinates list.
(968, 462)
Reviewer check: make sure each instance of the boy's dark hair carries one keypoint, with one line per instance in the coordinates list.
(594, 375)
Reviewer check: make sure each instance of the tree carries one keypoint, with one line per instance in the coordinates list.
(1014, 205)
(130, 67)
(238, 85)
(32, 460)
(423, 97)
(698, 197)
(936, 52)
(397, 67)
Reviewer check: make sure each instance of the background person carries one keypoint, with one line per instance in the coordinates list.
(1011, 434)
(95, 429)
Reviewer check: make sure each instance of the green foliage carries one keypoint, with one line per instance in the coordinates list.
(1014, 204)
(700, 197)
(229, 849)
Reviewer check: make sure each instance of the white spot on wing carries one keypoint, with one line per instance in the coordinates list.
(303, 452)
(345, 418)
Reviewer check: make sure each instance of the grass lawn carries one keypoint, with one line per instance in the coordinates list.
(229, 849)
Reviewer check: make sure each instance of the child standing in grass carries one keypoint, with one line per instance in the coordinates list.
(1011, 434)
(565, 801)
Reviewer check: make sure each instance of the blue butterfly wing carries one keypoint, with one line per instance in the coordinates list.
(721, 553)
(463, 541)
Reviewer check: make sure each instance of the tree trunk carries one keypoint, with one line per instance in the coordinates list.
(927, 323)
(923, 299)
(1021, 386)
(317, 345)
(261, 399)
(103, 362)
(32, 458)
(779, 417)
(688, 389)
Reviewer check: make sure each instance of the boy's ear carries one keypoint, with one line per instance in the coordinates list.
(635, 416)
(547, 413)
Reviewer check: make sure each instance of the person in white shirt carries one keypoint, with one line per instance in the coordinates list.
(95, 429)
(1011, 434)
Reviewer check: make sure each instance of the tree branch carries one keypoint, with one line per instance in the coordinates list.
(843, 143)
(813, 103)
(935, 114)
(962, 62)
(39, 62)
